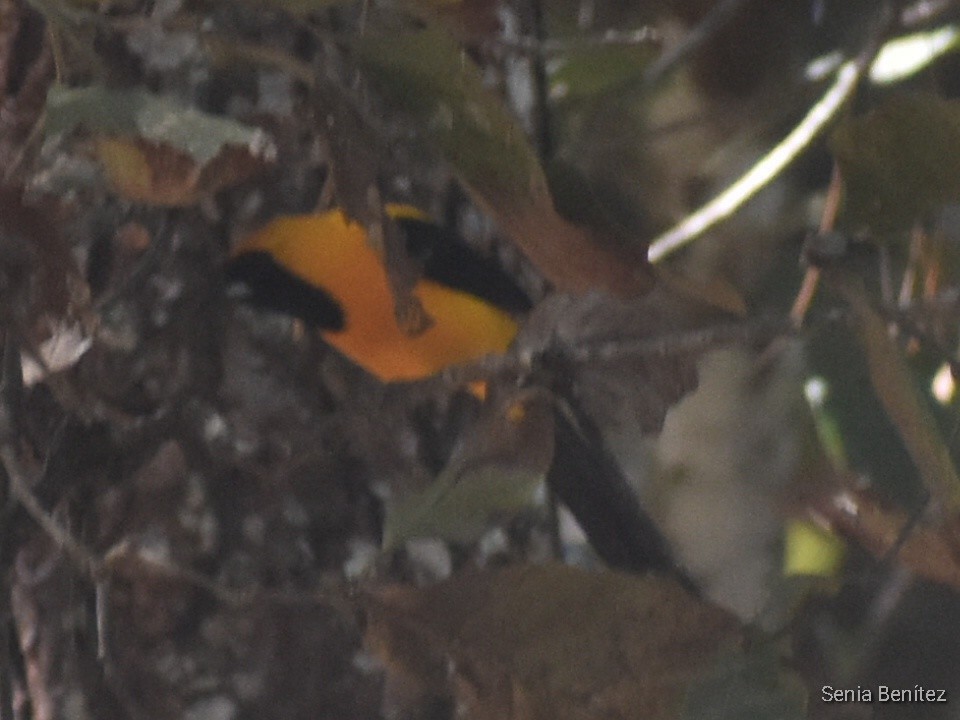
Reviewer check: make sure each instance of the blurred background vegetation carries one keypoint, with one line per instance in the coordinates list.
(195, 491)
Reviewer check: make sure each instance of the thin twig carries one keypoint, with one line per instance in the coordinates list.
(718, 16)
(680, 343)
(762, 173)
(84, 558)
(789, 149)
(588, 351)
(828, 220)
(557, 46)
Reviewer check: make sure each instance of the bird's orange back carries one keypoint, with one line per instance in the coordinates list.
(331, 253)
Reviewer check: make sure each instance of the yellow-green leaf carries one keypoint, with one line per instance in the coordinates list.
(427, 76)
(495, 473)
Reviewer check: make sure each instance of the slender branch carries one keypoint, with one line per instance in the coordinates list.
(556, 46)
(760, 175)
(770, 166)
(718, 16)
(828, 219)
(20, 489)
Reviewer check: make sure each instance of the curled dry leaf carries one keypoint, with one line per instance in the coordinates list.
(158, 174)
(627, 362)
(43, 295)
(932, 552)
(548, 641)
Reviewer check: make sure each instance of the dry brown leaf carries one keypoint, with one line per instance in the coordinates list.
(549, 641)
(158, 174)
(930, 552)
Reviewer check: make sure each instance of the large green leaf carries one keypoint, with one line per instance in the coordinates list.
(893, 382)
(900, 161)
(429, 76)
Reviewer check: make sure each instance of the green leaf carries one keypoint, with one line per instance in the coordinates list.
(906, 407)
(427, 75)
(496, 473)
(900, 161)
(747, 685)
(592, 71)
(157, 118)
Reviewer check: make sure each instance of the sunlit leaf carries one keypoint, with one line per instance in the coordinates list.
(909, 54)
(811, 550)
(429, 77)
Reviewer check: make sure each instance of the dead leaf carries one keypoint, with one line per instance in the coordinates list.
(550, 641)
(157, 174)
(44, 297)
(155, 149)
(468, 20)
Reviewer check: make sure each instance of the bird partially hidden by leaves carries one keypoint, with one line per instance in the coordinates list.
(321, 269)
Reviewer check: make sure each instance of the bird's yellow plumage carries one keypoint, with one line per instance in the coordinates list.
(331, 252)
